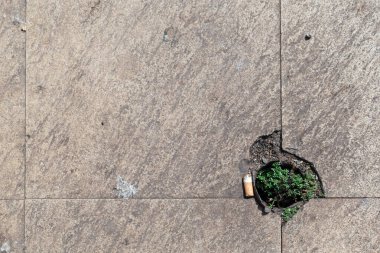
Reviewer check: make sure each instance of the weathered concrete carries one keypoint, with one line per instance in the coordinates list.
(227, 225)
(331, 91)
(12, 99)
(334, 225)
(162, 99)
(11, 226)
(168, 95)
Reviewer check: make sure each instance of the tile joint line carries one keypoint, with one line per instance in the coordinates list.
(280, 56)
(25, 141)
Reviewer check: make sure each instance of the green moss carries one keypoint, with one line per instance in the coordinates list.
(289, 212)
(281, 186)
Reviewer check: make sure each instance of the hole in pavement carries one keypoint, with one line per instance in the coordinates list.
(307, 37)
(283, 182)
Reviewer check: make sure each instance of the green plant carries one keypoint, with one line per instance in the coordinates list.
(289, 212)
(281, 186)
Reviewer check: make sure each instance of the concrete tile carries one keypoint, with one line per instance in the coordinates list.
(11, 226)
(203, 225)
(12, 99)
(168, 95)
(331, 91)
(334, 225)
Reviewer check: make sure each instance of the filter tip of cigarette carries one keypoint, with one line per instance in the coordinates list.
(248, 186)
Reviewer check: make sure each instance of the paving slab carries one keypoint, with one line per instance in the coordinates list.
(331, 91)
(167, 95)
(12, 99)
(135, 225)
(11, 226)
(334, 225)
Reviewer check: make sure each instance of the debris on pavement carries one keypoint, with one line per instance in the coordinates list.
(124, 189)
(248, 185)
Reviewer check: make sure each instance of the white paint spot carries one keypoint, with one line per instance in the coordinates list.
(124, 189)
(17, 20)
(241, 64)
(5, 247)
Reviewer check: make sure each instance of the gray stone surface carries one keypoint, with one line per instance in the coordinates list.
(11, 226)
(168, 95)
(228, 225)
(334, 225)
(162, 99)
(12, 99)
(331, 91)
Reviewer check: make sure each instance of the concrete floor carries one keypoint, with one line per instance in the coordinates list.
(124, 122)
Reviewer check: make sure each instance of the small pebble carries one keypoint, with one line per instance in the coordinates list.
(267, 209)
(307, 37)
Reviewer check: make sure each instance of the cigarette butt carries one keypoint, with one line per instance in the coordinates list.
(248, 185)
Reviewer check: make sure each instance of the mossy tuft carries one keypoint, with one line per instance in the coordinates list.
(281, 185)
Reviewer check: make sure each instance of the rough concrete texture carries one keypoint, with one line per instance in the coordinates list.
(12, 99)
(334, 225)
(228, 225)
(168, 95)
(158, 102)
(11, 226)
(331, 91)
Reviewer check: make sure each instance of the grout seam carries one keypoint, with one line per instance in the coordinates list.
(281, 123)
(351, 198)
(280, 56)
(164, 198)
(153, 198)
(25, 143)
(282, 242)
